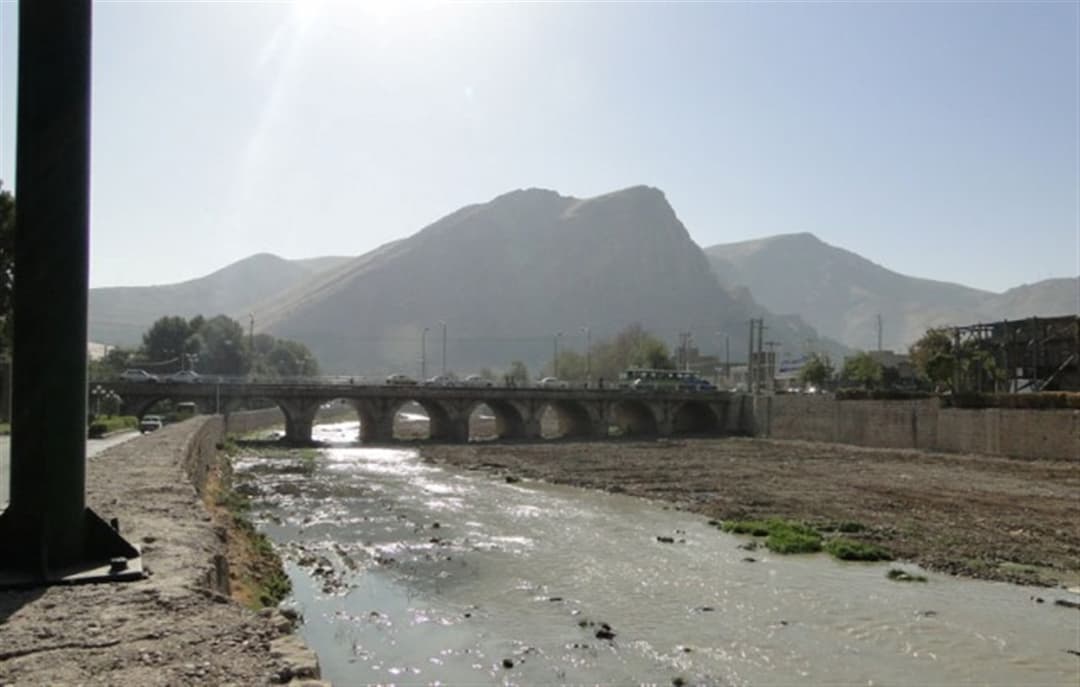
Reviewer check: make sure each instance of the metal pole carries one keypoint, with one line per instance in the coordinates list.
(47, 534)
(423, 354)
(588, 354)
(750, 359)
(443, 325)
(555, 356)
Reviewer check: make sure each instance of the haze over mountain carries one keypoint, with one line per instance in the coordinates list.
(841, 293)
(120, 315)
(507, 276)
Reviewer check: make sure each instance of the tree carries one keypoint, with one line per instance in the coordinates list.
(934, 357)
(288, 359)
(225, 351)
(571, 367)
(7, 266)
(817, 370)
(634, 346)
(862, 369)
(166, 339)
(518, 373)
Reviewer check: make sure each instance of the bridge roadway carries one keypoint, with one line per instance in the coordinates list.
(582, 412)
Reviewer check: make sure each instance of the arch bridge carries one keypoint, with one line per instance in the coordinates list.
(581, 412)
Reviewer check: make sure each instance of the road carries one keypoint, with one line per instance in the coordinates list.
(93, 447)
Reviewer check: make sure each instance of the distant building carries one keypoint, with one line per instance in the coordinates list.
(1035, 354)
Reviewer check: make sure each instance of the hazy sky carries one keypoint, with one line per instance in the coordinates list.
(939, 139)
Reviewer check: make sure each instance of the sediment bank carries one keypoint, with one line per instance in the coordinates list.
(981, 516)
(177, 627)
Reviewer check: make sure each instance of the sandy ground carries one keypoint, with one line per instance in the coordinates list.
(979, 516)
(169, 629)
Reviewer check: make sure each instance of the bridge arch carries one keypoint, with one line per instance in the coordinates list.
(509, 420)
(570, 419)
(634, 418)
(695, 417)
(441, 425)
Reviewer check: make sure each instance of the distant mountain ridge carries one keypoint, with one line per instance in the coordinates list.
(507, 276)
(841, 293)
(119, 315)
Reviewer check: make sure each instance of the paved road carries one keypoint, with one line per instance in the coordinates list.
(93, 447)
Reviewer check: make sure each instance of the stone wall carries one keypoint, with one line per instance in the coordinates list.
(919, 424)
(245, 421)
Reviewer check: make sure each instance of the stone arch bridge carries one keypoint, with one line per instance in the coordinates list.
(582, 412)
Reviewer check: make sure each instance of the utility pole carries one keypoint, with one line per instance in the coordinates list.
(555, 355)
(588, 354)
(727, 360)
(760, 353)
(442, 324)
(750, 358)
(879, 331)
(251, 334)
(423, 354)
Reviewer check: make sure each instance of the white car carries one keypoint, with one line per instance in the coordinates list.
(137, 376)
(477, 380)
(184, 377)
(149, 423)
(553, 383)
(440, 380)
(400, 380)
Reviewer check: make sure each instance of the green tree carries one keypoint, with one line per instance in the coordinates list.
(166, 339)
(571, 367)
(634, 346)
(817, 371)
(861, 368)
(518, 373)
(934, 358)
(7, 266)
(288, 359)
(225, 347)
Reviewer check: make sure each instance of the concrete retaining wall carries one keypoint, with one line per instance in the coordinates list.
(246, 421)
(920, 424)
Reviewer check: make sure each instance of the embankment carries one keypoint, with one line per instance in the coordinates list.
(176, 627)
(917, 424)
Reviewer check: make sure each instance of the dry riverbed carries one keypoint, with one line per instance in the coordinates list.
(979, 516)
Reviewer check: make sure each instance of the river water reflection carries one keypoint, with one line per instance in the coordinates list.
(408, 573)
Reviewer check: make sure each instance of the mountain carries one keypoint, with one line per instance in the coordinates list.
(841, 293)
(119, 315)
(507, 276)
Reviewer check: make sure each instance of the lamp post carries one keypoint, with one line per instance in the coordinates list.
(555, 355)
(423, 354)
(588, 353)
(442, 324)
(98, 391)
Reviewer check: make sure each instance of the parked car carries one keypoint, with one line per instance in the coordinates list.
(400, 380)
(441, 380)
(477, 380)
(184, 377)
(553, 383)
(149, 423)
(137, 376)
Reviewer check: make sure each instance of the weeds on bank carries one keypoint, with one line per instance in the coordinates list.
(851, 550)
(785, 536)
(781, 536)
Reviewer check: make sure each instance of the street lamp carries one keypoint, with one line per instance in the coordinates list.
(97, 392)
(423, 354)
(555, 355)
(443, 325)
(588, 353)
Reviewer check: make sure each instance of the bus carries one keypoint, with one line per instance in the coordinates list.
(681, 380)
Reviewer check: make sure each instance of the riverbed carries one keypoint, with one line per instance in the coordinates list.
(412, 573)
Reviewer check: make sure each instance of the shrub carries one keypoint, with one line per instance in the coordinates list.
(851, 550)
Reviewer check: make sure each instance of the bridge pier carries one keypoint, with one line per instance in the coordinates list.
(299, 419)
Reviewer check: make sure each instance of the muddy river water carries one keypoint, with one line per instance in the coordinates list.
(407, 573)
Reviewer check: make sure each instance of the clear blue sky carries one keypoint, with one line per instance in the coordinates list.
(939, 139)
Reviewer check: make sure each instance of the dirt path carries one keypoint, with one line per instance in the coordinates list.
(987, 517)
(169, 629)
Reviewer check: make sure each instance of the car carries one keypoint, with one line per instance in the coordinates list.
(553, 383)
(440, 380)
(149, 423)
(400, 380)
(137, 376)
(184, 377)
(477, 380)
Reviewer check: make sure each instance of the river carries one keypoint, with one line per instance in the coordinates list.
(409, 573)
